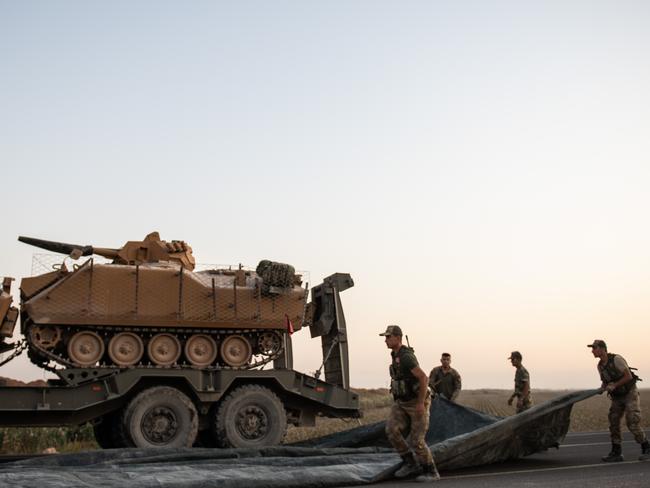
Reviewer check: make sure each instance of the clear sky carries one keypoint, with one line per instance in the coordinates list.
(480, 168)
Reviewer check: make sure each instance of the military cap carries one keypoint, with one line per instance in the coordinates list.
(515, 355)
(598, 343)
(392, 330)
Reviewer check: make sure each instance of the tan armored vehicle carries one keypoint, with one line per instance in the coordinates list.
(149, 307)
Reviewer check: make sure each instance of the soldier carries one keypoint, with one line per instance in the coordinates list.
(444, 379)
(620, 384)
(410, 411)
(522, 383)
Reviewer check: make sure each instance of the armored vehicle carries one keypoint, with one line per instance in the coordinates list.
(150, 307)
(156, 354)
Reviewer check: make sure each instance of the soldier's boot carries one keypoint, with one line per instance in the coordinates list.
(429, 474)
(614, 455)
(410, 466)
(645, 451)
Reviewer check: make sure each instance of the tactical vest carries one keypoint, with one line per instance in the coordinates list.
(519, 385)
(444, 383)
(403, 385)
(609, 374)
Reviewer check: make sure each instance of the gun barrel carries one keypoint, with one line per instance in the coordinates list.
(59, 247)
(106, 252)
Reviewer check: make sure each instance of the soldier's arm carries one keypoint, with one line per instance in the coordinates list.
(621, 365)
(422, 378)
(457, 386)
(603, 384)
(432, 378)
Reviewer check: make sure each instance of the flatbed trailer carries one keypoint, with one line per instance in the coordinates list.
(184, 406)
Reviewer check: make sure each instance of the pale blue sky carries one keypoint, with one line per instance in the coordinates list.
(480, 168)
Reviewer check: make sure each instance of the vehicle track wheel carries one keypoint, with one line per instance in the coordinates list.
(201, 350)
(85, 348)
(161, 416)
(164, 349)
(45, 336)
(269, 343)
(250, 416)
(125, 349)
(235, 351)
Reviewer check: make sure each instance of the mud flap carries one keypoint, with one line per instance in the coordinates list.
(8, 314)
(329, 324)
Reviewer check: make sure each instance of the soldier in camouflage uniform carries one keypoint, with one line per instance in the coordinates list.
(410, 411)
(522, 384)
(620, 384)
(444, 379)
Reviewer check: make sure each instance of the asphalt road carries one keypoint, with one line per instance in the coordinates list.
(575, 464)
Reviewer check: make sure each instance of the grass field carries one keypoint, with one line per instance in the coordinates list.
(588, 415)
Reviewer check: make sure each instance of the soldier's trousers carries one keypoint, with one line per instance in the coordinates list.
(526, 403)
(403, 419)
(630, 406)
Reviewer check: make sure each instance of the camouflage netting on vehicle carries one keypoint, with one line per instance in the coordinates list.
(96, 292)
(276, 276)
(90, 312)
(459, 437)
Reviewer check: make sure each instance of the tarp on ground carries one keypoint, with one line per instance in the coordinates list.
(459, 437)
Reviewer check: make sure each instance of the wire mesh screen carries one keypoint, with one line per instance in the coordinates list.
(45, 262)
(94, 291)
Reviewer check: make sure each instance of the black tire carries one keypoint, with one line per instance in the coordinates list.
(121, 437)
(205, 438)
(109, 431)
(161, 417)
(250, 416)
(104, 429)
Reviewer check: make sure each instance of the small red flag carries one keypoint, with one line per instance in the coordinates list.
(289, 325)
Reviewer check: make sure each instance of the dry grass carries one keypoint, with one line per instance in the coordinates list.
(31, 440)
(588, 415)
(375, 405)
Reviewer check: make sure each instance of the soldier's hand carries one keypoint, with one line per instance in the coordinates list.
(510, 401)
(610, 387)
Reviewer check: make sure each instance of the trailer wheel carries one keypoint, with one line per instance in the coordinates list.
(109, 431)
(205, 438)
(250, 416)
(104, 430)
(161, 417)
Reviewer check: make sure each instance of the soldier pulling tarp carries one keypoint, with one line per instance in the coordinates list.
(459, 437)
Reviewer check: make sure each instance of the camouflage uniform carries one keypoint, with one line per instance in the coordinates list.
(521, 378)
(625, 400)
(402, 417)
(447, 384)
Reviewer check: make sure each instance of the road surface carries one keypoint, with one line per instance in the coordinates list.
(575, 464)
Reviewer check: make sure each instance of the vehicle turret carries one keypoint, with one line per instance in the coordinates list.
(150, 250)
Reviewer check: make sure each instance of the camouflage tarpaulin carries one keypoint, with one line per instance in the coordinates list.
(459, 437)
(446, 420)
